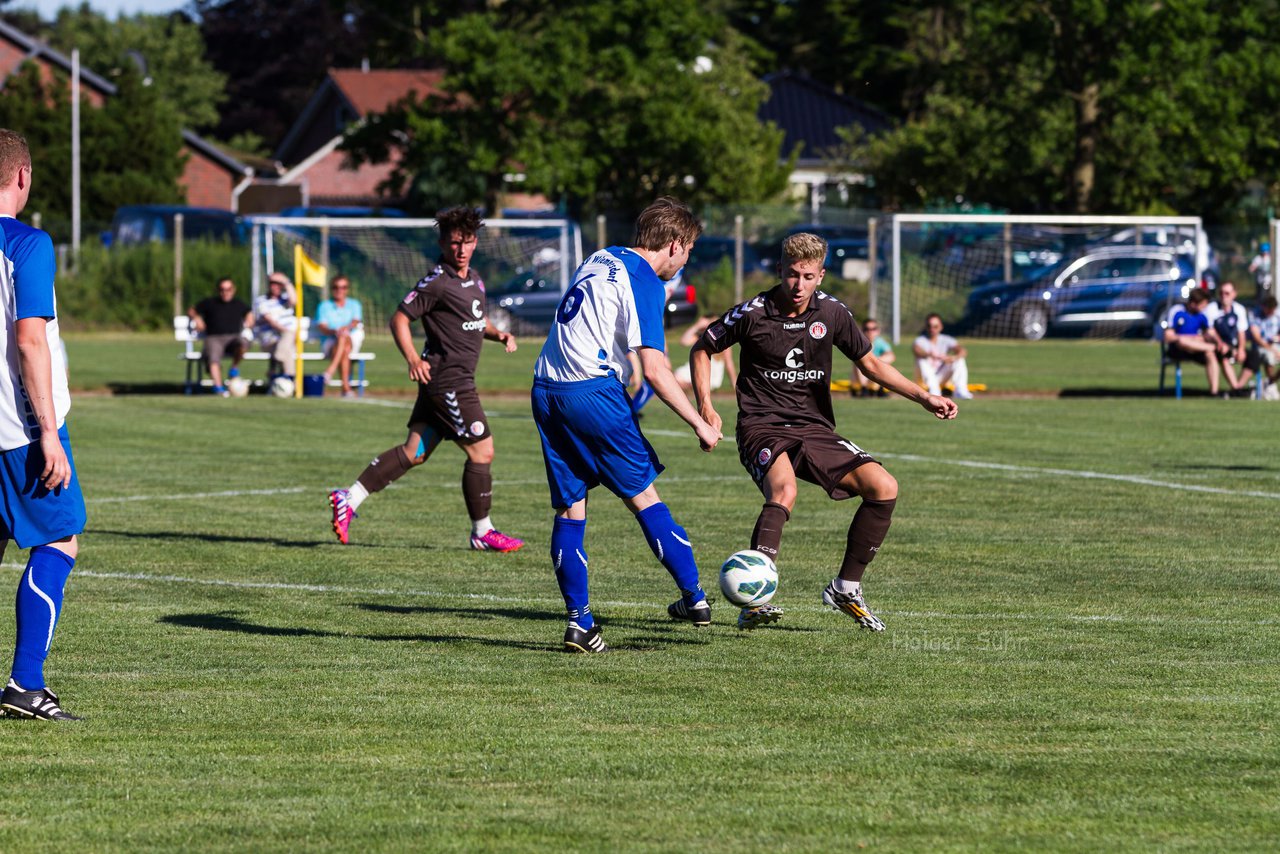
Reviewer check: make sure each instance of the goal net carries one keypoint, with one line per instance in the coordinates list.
(385, 257)
(991, 275)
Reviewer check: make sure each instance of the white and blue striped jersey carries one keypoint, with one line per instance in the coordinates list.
(614, 305)
(26, 290)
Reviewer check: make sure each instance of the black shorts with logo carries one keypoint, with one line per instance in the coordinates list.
(818, 454)
(456, 414)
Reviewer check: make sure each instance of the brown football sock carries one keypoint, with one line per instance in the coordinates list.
(477, 489)
(767, 537)
(866, 533)
(386, 468)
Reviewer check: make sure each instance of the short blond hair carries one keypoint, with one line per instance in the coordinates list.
(14, 155)
(804, 247)
(666, 220)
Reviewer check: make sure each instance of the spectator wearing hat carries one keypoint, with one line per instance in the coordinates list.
(274, 324)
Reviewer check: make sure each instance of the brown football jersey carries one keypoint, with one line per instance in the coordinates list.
(452, 312)
(785, 364)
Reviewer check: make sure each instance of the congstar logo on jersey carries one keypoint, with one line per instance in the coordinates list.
(477, 312)
(797, 374)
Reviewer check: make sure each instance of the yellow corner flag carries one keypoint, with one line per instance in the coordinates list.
(305, 272)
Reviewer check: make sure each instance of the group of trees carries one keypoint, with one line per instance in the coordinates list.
(1030, 105)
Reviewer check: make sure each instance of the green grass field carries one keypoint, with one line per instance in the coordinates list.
(1082, 645)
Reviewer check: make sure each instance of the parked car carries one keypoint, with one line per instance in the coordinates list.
(1126, 288)
(134, 225)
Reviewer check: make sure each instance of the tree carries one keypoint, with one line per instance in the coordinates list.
(604, 104)
(170, 45)
(274, 55)
(1079, 106)
(129, 151)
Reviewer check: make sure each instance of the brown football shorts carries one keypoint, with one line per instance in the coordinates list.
(455, 414)
(818, 454)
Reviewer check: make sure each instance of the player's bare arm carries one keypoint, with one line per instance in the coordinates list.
(506, 339)
(402, 332)
(700, 377)
(891, 378)
(658, 373)
(37, 379)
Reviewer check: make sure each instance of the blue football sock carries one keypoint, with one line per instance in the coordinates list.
(642, 396)
(38, 605)
(569, 557)
(671, 545)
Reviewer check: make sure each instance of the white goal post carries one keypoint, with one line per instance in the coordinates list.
(385, 256)
(939, 259)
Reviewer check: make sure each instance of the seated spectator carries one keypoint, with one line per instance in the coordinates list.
(1190, 336)
(882, 350)
(940, 358)
(274, 324)
(1230, 323)
(721, 363)
(1264, 341)
(222, 319)
(340, 322)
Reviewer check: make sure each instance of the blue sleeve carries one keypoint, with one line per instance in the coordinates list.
(324, 314)
(33, 271)
(651, 303)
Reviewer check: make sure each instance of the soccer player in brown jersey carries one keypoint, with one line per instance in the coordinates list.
(786, 427)
(450, 302)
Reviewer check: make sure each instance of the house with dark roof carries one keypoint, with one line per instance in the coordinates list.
(809, 114)
(211, 178)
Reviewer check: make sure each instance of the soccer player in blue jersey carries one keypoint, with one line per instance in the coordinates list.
(590, 435)
(41, 507)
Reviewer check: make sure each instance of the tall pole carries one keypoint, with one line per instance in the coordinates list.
(602, 239)
(177, 264)
(738, 255)
(75, 159)
(873, 301)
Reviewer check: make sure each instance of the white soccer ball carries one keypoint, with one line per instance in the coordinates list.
(282, 386)
(238, 387)
(748, 578)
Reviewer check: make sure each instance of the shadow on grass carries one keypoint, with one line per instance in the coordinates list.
(148, 388)
(664, 624)
(230, 621)
(237, 538)
(1148, 392)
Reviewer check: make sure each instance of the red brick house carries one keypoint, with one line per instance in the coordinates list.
(211, 178)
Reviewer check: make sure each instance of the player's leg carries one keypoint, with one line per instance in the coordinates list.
(471, 428)
(1212, 370)
(670, 544)
(879, 492)
(779, 488)
(569, 477)
(50, 519)
(385, 469)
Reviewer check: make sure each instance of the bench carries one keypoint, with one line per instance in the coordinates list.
(185, 333)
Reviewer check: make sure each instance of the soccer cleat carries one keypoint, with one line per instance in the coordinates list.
(342, 514)
(852, 604)
(761, 615)
(41, 705)
(494, 540)
(698, 613)
(578, 639)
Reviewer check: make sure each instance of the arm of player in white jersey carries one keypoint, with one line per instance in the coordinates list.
(35, 364)
(658, 374)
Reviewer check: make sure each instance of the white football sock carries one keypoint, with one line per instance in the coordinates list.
(356, 494)
(480, 527)
(852, 588)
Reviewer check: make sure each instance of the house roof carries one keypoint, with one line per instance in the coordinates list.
(217, 155)
(809, 112)
(363, 92)
(375, 90)
(39, 49)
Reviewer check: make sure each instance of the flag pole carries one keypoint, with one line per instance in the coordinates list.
(301, 287)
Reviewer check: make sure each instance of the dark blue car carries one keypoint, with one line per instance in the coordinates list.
(1120, 288)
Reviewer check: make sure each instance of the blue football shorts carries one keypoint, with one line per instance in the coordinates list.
(31, 515)
(590, 437)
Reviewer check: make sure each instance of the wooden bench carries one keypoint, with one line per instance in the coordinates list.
(193, 355)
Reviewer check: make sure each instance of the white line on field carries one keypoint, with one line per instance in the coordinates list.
(1087, 475)
(231, 493)
(557, 603)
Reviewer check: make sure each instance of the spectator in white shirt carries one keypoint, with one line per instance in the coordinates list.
(940, 358)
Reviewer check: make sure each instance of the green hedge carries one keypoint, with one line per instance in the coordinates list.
(131, 287)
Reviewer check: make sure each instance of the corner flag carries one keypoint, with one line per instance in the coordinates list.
(305, 272)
